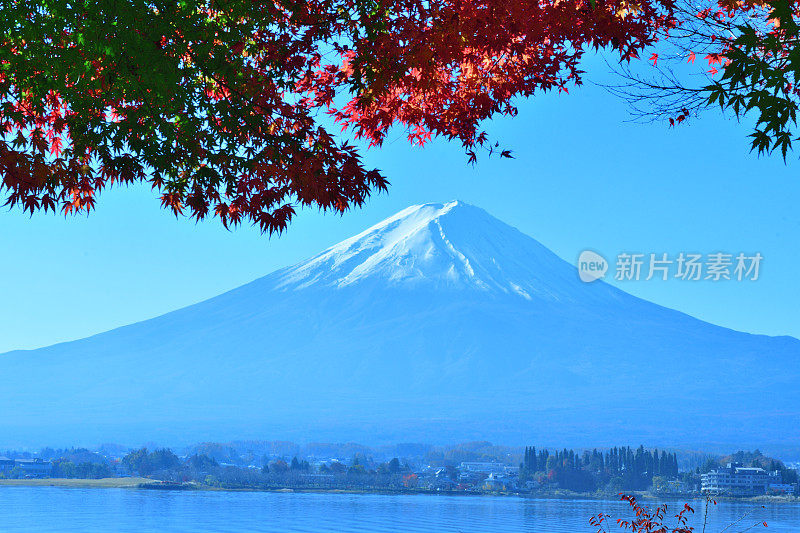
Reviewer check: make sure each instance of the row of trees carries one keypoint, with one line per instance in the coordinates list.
(358, 466)
(619, 467)
(299, 473)
(147, 463)
(63, 468)
(361, 473)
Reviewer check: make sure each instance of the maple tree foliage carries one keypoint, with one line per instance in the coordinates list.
(646, 519)
(219, 104)
(656, 519)
(744, 54)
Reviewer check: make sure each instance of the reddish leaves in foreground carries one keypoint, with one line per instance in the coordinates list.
(655, 520)
(215, 104)
(648, 520)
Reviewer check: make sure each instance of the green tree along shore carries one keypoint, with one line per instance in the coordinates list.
(617, 469)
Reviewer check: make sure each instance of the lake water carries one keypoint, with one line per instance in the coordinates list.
(34, 509)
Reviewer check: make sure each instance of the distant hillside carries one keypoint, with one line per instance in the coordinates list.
(440, 324)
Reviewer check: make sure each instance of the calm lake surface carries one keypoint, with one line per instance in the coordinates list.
(72, 510)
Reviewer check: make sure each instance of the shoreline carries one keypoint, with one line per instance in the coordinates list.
(103, 483)
(140, 483)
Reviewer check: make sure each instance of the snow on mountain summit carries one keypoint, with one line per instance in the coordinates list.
(451, 245)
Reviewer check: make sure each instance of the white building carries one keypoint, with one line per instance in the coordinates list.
(487, 468)
(735, 480)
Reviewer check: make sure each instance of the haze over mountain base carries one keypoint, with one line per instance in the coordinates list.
(440, 324)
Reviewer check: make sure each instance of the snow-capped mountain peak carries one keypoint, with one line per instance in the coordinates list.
(451, 245)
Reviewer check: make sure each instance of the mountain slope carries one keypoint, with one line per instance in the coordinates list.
(439, 324)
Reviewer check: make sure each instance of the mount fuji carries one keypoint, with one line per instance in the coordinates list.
(439, 324)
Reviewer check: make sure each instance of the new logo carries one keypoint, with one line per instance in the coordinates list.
(591, 266)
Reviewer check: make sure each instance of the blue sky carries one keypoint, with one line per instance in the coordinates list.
(583, 177)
